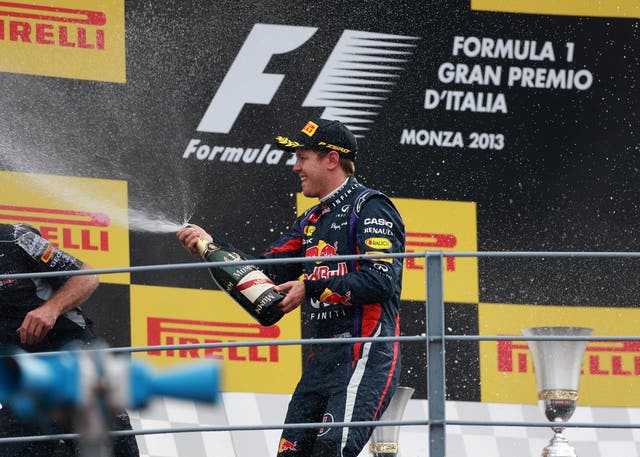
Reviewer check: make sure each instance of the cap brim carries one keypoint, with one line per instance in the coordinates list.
(288, 144)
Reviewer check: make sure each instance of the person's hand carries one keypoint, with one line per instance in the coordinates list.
(294, 295)
(189, 235)
(36, 325)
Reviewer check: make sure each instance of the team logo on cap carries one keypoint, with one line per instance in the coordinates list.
(310, 128)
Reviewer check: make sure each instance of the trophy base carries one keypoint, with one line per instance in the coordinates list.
(558, 447)
(384, 449)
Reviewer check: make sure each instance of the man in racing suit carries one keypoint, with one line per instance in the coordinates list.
(42, 315)
(339, 299)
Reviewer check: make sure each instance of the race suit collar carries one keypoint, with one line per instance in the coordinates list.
(334, 191)
(341, 194)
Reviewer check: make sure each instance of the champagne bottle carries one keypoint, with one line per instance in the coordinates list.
(246, 284)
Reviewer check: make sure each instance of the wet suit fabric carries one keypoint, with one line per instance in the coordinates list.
(352, 381)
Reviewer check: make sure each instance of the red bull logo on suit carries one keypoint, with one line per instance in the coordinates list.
(323, 249)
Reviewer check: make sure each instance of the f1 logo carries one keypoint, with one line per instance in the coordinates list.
(339, 86)
(246, 81)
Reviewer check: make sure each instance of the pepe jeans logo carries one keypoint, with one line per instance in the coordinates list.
(354, 51)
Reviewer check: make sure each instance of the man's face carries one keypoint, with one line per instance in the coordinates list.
(312, 170)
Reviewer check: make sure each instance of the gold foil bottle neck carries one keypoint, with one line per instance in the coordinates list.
(202, 245)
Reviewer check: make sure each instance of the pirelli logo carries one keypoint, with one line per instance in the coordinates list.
(183, 318)
(66, 229)
(93, 228)
(47, 254)
(52, 25)
(603, 359)
(36, 35)
(163, 331)
(460, 274)
(309, 128)
(610, 369)
(417, 241)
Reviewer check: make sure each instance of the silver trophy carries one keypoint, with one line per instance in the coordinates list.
(384, 440)
(557, 365)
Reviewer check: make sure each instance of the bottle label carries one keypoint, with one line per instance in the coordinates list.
(254, 284)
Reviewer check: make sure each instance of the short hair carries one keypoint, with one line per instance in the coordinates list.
(347, 165)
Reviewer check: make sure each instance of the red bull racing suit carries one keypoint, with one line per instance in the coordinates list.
(352, 381)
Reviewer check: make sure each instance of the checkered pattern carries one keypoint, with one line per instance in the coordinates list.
(462, 441)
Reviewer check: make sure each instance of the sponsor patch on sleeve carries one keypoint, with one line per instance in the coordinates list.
(48, 253)
(378, 243)
(43, 251)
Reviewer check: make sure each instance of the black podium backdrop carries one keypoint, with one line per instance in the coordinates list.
(533, 117)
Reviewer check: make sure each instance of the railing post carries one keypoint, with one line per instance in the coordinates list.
(435, 354)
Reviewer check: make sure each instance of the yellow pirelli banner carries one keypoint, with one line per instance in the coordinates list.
(610, 370)
(605, 8)
(163, 316)
(435, 225)
(80, 39)
(86, 217)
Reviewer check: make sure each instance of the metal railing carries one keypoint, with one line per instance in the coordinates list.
(434, 340)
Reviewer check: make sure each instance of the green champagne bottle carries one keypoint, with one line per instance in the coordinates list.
(246, 284)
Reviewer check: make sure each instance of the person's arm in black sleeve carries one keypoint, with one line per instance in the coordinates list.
(380, 230)
(72, 292)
